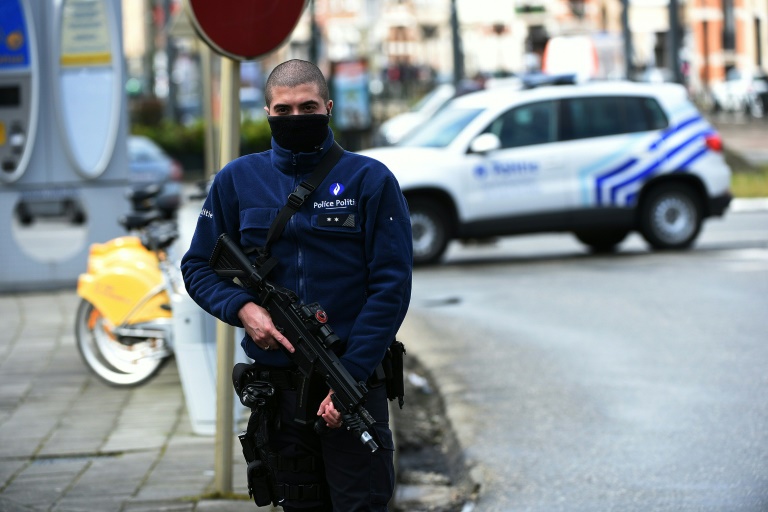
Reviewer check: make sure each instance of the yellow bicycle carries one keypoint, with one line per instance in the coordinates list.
(123, 325)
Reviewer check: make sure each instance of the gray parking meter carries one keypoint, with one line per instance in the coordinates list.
(63, 126)
(19, 90)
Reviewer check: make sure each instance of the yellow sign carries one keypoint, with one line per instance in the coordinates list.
(85, 37)
(2, 134)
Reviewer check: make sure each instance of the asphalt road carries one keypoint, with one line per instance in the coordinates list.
(628, 382)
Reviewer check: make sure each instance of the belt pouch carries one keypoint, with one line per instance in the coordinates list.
(258, 482)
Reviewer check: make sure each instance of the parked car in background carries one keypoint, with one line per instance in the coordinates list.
(150, 165)
(655, 75)
(396, 127)
(742, 91)
(599, 160)
(252, 103)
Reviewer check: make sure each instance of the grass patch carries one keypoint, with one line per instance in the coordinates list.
(748, 180)
(750, 184)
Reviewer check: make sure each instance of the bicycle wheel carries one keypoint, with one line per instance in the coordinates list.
(113, 361)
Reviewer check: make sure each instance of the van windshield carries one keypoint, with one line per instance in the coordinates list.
(440, 131)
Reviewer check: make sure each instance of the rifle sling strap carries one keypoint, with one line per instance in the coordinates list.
(298, 196)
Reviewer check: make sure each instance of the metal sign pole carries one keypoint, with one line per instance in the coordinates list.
(206, 59)
(230, 149)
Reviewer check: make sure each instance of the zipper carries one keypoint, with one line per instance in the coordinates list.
(300, 269)
(300, 283)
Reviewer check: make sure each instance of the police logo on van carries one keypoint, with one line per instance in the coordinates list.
(514, 169)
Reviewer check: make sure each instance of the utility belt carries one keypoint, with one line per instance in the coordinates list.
(390, 372)
(258, 388)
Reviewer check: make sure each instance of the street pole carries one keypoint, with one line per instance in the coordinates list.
(225, 334)
(314, 35)
(149, 55)
(206, 65)
(170, 57)
(458, 51)
(674, 40)
(627, 34)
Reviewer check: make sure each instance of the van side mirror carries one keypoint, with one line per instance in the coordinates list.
(485, 143)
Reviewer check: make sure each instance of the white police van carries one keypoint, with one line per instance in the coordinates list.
(596, 159)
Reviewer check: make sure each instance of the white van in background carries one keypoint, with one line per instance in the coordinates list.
(570, 54)
(599, 56)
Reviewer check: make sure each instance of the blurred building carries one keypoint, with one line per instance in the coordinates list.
(407, 44)
(726, 34)
(714, 36)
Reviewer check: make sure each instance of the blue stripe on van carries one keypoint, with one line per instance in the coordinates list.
(674, 129)
(666, 134)
(623, 167)
(648, 171)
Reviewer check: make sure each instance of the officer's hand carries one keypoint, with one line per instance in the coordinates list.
(328, 412)
(258, 325)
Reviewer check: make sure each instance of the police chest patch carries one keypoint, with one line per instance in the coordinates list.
(344, 220)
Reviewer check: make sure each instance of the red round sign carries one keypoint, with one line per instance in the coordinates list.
(244, 29)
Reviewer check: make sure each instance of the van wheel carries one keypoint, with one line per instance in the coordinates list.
(429, 226)
(670, 217)
(602, 240)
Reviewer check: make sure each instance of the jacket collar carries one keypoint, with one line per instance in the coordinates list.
(288, 162)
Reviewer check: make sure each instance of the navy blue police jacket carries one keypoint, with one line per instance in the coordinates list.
(349, 247)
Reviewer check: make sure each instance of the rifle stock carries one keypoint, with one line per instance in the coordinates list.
(305, 326)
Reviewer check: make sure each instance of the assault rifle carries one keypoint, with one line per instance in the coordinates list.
(305, 326)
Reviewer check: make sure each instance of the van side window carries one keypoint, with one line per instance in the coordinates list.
(584, 118)
(657, 120)
(535, 123)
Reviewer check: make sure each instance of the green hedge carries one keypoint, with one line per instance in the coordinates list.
(186, 143)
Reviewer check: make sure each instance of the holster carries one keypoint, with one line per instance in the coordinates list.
(261, 397)
(394, 373)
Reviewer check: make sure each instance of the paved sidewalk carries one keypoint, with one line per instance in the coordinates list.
(70, 443)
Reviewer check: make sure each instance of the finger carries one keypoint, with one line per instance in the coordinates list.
(282, 340)
(259, 336)
(323, 408)
(333, 421)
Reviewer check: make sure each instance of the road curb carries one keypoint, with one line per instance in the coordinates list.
(749, 204)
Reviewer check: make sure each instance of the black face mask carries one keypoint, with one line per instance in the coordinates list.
(300, 133)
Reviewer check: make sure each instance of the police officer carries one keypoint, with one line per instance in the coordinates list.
(349, 248)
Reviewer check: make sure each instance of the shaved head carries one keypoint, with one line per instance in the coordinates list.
(293, 73)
